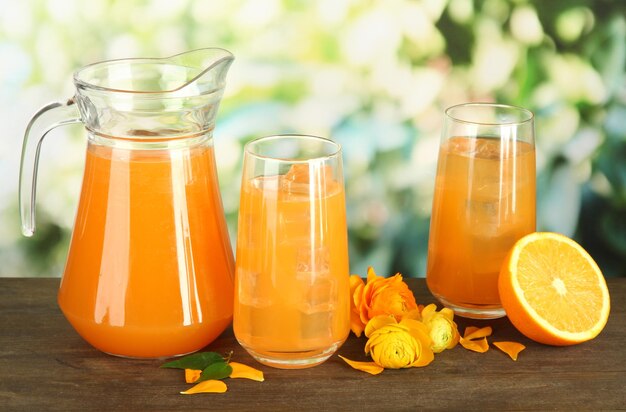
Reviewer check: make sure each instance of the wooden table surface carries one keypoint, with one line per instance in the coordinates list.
(45, 365)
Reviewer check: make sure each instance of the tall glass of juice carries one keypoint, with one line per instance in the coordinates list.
(484, 202)
(292, 273)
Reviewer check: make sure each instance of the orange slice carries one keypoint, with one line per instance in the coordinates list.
(553, 291)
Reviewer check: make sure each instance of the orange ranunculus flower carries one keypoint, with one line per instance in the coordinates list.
(379, 296)
(395, 345)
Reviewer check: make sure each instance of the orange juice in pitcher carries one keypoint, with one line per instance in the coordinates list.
(150, 268)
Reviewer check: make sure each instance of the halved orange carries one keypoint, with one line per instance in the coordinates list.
(553, 291)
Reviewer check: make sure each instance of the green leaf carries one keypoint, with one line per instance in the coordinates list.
(217, 370)
(198, 361)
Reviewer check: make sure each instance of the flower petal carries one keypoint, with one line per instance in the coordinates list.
(355, 281)
(247, 372)
(363, 304)
(413, 314)
(414, 324)
(428, 310)
(356, 296)
(478, 345)
(371, 275)
(192, 375)
(472, 332)
(426, 356)
(210, 386)
(381, 336)
(510, 348)
(370, 367)
(447, 313)
(378, 322)
(356, 326)
(360, 309)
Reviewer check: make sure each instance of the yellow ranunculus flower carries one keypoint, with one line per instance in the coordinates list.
(441, 326)
(395, 345)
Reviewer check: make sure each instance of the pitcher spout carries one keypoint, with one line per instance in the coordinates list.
(207, 68)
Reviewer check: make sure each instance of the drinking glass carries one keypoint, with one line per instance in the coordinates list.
(292, 274)
(484, 202)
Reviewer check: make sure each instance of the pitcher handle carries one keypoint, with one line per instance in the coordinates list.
(47, 118)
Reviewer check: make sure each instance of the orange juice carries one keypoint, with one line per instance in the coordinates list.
(484, 201)
(150, 269)
(292, 281)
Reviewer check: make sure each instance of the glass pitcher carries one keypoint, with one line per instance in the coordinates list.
(149, 271)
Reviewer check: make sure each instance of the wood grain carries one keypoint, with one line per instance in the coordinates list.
(45, 365)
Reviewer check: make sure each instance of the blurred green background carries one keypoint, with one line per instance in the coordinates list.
(372, 75)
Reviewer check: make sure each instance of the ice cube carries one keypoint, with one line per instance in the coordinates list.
(487, 149)
(491, 190)
(307, 181)
(318, 296)
(264, 183)
(316, 326)
(298, 173)
(295, 190)
(318, 289)
(489, 218)
(312, 262)
(305, 173)
(251, 289)
(294, 228)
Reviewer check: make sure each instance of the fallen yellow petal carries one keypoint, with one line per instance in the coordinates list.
(210, 386)
(477, 345)
(192, 375)
(370, 367)
(244, 371)
(475, 339)
(510, 348)
(472, 332)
